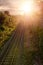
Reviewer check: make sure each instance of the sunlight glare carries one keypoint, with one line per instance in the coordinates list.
(30, 11)
(27, 7)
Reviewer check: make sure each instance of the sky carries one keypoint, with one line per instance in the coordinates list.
(11, 5)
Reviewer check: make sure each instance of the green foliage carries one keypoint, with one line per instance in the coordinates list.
(7, 25)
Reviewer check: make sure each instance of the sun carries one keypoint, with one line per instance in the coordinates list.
(30, 11)
(26, 7)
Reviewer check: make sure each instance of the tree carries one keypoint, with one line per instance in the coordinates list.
(6, 12)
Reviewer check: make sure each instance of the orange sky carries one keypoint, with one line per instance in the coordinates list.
(12, 5)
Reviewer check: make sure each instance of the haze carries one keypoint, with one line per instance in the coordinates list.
(12, 5)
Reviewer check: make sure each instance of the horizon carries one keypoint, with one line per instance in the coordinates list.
(13, 6)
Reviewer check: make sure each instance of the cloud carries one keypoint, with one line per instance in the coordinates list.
(11, 5)
(2, 8)
(4, 2)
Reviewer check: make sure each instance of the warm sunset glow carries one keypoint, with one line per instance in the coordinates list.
(30, 11)
(27, 7)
